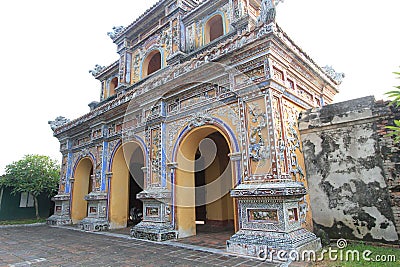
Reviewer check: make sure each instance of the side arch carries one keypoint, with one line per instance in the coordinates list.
(125, 164)
(136, 139)
(89, 156)
(216, 122)
(83, 169)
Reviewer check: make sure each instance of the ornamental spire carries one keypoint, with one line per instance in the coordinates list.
(268, 12)
(97, 70)
(58, 122)
(336, 76)
(117, 30)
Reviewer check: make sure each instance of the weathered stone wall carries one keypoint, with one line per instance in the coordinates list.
(353, 170)
(390, 154)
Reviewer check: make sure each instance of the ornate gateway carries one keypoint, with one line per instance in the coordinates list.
(196, 123)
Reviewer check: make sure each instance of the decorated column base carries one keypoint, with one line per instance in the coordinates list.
(97, 215)
(61, 211)
(156, 225)
(257, 243)
(270, 222)
(154, 231)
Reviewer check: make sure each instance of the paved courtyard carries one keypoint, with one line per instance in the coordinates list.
(40, 246)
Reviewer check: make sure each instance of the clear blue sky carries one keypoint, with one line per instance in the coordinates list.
(49, 46)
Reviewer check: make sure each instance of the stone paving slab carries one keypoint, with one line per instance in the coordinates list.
(55, 246)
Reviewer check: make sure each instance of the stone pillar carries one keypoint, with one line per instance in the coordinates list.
(144, 170)
(62, 200)
(156, 196)
(93, 177)
(267, 197)
(61, 214)
(156, 225)
(108, 181)
(269, 220)
(71, 185)
(97, 219)
(236, 160)
(97, 212)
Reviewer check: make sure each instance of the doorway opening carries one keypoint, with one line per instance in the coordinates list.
(127, 180)
(213, 214)
(203, 182)
(82, 186)
(136, 182)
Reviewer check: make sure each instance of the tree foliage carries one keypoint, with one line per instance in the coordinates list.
(34, 174)
(395, 96)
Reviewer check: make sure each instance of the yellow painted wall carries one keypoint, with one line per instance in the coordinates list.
(184, 189)
(119, 197)
(129, 153)
(214, 209)
(80, 190)
(221, 209)
(185, 201)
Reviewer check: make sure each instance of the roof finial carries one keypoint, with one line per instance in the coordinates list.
(336, 76)
(97, 70)
(268, 12)
(117, 30)
(58, 122)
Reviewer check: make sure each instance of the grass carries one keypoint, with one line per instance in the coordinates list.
(378, 255)
(22, 221)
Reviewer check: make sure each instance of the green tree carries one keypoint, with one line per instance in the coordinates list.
(395, 96)
(34, 174)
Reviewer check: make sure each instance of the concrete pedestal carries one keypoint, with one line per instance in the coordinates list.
(156, 224)
(269, 220)
(61, 214)
(97, 213)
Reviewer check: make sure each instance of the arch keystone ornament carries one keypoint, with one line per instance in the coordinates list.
(200, 119)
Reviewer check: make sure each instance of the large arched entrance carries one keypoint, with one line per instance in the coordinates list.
(82, 186)
(203, 182)
(126, 182)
